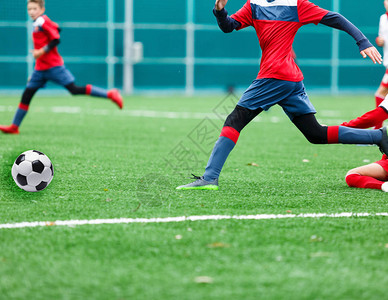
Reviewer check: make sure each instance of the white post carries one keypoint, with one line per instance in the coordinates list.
(111, 44)
(128, 47)
(190, 46)
(30, 46)
(335, 54)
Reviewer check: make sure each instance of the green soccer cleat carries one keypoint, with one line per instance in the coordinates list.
(200, 184)
(384, 141)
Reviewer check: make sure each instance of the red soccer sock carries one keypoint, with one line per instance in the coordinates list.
(371, 118)
(379, 99)
(230, 133)
(332, 134)
(364, 182)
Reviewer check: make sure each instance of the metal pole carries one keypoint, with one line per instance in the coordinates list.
(29, 58)
(335, 53)
(190, 48)
(128, 45)
(111, 44)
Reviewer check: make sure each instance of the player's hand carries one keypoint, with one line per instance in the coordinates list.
(373, 54)
(380, 41)
(36, 53)
(220, 4)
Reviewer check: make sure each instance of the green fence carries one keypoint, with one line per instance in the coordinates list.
(183, 48)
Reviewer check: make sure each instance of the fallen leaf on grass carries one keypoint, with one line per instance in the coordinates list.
(203, 279)
(315, 238)
(218, 245)
(253, 164)
(320, 254)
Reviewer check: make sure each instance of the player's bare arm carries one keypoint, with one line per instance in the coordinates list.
(36, 53)
(220, 4)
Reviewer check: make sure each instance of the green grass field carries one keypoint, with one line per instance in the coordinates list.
(126, 164)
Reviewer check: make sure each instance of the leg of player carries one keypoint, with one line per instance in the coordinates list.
(230, 133)
(318, 134)
(20, 112)
(372, 118)
(95, 91)
(372, 176)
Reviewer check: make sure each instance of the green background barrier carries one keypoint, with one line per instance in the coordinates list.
(183, 48)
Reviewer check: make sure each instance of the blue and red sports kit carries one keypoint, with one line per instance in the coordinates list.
(50, 67)
(280, 81)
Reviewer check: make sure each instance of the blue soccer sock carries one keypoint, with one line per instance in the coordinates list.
(348, 135)
(220, 153)
(20, 114)
(96, 91)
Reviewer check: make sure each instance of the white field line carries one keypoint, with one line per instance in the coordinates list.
(330, 117)
(185, 219)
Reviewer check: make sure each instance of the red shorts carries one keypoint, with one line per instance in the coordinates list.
(384, 81)
(383, 162)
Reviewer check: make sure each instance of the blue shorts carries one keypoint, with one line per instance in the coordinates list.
(59, 75)
(266, 92)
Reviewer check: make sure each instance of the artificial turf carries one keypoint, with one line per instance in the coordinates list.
(111, 164)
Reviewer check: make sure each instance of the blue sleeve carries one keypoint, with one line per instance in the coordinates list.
(337, 21)
(226, 23)
(51, 45)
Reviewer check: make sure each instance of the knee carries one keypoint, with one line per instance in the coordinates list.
(350, 172)
(240, 117)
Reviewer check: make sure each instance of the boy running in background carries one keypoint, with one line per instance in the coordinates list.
(49, 66)
(280, 80)
(382, 91)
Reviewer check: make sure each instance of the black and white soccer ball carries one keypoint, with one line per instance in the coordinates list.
(32, 171)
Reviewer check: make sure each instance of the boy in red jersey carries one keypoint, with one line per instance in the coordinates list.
(49, 66)
(280, 80)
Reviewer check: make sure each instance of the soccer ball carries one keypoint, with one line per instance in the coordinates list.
(32, 171)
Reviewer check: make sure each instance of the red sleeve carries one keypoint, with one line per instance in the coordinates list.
(51, 28)
(309, 12)
(244, 15)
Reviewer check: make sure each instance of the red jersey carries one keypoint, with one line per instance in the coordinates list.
(44, 32)
(276, 23)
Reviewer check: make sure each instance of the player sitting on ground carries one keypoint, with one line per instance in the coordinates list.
(49, 66)
(280, 80)
(374, 175)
